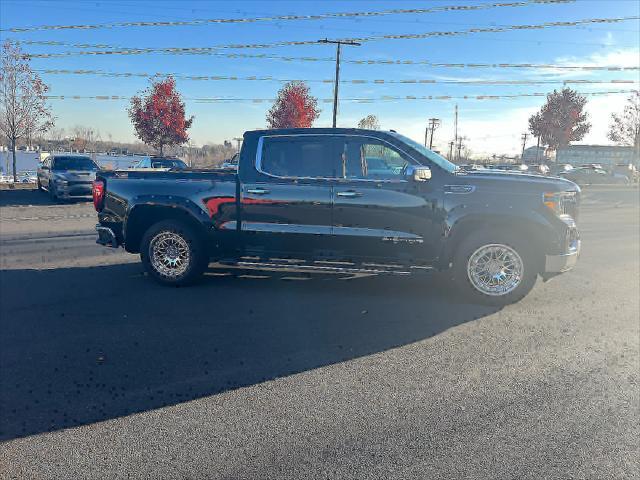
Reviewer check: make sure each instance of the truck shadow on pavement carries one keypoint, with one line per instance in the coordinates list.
(83, 345)
(28, 197)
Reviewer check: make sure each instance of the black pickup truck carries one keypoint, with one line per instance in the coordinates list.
(345, 199)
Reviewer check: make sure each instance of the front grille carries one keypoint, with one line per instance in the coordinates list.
(569, 205)
(571, 240)
(79, 183)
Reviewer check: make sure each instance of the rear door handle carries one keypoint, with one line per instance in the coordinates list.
(349, 194)
(257, 191)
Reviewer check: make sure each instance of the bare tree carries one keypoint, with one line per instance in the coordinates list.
(370, 122)
(23, 108)
(57, 134)
(625, 128)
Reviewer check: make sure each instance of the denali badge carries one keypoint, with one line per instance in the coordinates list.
(402, 240)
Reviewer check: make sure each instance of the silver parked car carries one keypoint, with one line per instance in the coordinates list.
(67, 176)
(160, 163)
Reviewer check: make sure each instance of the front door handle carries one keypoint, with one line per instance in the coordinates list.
(257, 191)
(349, 194)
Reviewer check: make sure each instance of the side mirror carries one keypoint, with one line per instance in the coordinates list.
(418, 174)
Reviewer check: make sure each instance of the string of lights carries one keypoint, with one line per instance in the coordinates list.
(322, 16)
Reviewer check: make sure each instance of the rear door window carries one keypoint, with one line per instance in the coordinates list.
(305, 156)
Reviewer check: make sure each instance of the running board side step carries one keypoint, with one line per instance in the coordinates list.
(322, 266)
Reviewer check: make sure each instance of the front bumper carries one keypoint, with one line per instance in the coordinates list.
(106, 237)
(567, 260)
(78, 190)
(562, 263)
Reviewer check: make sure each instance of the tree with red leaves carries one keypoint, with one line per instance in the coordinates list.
(294, 107)
(158, 115)
(561, 120)
(23, 108)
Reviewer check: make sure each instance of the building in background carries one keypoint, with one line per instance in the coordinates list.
(606, 155)
(535, 155)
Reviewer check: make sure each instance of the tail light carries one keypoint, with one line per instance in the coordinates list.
(98, 194)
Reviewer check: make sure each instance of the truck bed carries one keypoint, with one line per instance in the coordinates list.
(191, 174)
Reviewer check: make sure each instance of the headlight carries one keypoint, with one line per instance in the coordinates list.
(560, 203)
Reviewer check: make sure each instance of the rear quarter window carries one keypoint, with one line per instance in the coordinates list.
(298, 157)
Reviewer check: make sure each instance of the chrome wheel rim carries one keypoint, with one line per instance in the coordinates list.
(495, 269)
(169, 254)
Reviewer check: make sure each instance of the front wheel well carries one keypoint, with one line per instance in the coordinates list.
(532, 236)
(144, 216)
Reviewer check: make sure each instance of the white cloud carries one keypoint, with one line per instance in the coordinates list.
(622, 57)
(498, 130)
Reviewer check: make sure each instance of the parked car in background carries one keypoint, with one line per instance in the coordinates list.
(67, 176)
(559, 168)
(540, 169)
(467, 167)
(232, 163)
(593, 176)
(344, 200)
(28, 176)
(4, 178)
(594, 166)
(160, 163)
(628, 170)
(510, 167)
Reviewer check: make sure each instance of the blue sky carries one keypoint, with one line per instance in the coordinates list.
(491, 126)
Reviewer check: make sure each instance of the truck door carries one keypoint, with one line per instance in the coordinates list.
(286, 202)
(378, 212)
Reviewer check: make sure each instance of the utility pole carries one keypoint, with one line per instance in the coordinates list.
(455, 126)
(239, 140)
(339, 43)
(433, 124)
(524, 143)
(459, 147)
(451, 151)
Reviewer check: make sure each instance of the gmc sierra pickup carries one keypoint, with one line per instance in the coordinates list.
(345, 199)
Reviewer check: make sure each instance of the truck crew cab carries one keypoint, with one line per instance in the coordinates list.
(346, 199)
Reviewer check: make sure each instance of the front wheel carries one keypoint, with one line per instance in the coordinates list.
(52, 192)
(494, 269)
(173, 254)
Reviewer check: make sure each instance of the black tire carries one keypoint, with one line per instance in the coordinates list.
(52, 192)
(196, 263)
(469, 246)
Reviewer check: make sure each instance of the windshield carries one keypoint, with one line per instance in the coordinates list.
(424, 151)
(74, 163)
(168, 163)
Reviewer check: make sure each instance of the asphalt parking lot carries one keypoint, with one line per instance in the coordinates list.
(257, 374)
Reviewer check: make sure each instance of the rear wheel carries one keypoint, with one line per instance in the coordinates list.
(173, 254)
(493, 268)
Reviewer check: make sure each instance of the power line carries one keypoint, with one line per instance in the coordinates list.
(322, 16)
(213, 50)
(428, 63)
(269, 78)
(373, 38)
(384, 98)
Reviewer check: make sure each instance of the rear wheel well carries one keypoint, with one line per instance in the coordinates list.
(534, 238)
(144, 216)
